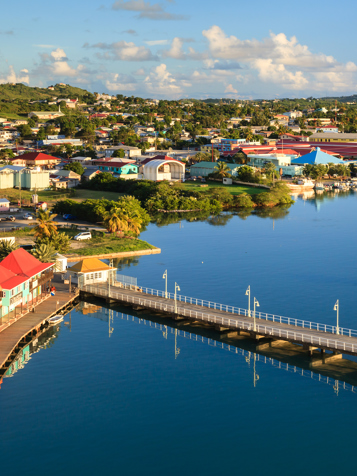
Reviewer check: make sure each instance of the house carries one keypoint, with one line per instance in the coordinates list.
(117, 167)
(35, 158)
(328, 128)
(317, 156)
(71, 177)
(333, 137)
(12, 176)
(89, 271)
(24, 281)
(90, 172)
(202, 169)
(46, 114)
(162, 167)
(128, 150)
(4, 205)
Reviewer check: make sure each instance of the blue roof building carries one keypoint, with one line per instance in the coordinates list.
(317, 157)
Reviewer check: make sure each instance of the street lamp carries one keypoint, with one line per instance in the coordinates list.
(256, 304)
(177, 288)
(337, 309)
(165, 277)
(247, 293)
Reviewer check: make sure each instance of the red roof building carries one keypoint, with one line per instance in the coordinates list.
(35, 158)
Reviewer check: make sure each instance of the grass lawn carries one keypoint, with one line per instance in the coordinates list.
(107, 245)
(12, 115)
(233, 189)
(50, 196)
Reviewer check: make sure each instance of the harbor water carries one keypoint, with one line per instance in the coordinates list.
(111, 391)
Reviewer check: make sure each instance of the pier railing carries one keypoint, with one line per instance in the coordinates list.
(335, 342)
(291, 321)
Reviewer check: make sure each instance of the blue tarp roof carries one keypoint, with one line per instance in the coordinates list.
(317, 157)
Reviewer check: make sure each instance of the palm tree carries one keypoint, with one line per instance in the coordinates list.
(45, 253)
(134, 222)
(6, 247)
(45, 225)
(222, 170)
(116, 220)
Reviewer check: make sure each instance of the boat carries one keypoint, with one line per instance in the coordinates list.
(55, 319)
(302, 184)
(319, 186)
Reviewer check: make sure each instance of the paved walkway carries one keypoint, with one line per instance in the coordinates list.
(10, 337)
(276, 330)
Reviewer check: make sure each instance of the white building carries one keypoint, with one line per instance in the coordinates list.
(90, 271)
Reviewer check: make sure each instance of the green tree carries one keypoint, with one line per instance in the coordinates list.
(75, 167)
(119, 153)
(6, 248)
(116, 221)
(222, 170)
(44, 253)
(45, 227)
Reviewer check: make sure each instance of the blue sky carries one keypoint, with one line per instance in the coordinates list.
(175, 49)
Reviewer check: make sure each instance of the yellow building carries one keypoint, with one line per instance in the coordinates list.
(333, 137)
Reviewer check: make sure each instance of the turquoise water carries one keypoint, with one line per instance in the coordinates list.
(138, 401)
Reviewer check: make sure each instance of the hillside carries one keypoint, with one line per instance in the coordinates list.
(11, 92)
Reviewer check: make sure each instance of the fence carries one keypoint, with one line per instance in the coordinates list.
(336, 343)
(245, 312)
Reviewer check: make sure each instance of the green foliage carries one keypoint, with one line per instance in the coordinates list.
(75, 167)
(247, 174)
(44, 252)
(119, 153)
(6, 248)
(60, 242)
(244, 200)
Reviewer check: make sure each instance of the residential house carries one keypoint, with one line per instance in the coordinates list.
(4, 205)
(24, 281)
(38, 159)
(90, 271)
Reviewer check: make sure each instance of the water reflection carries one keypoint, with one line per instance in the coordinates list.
(16, 362)
(341, 374)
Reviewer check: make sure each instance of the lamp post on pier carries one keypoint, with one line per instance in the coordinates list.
(164, 276)
(256, 304)
(337, 309)
(177, 288)
(247, 293)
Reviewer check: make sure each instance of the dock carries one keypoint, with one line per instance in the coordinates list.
(29, 324)
(267, 329)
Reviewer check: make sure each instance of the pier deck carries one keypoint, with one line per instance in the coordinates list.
(12, 335)
(311, 338)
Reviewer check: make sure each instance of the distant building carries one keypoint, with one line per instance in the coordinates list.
(333, 137)
(89, 271)
(162, 167)
(46, 114)
(36, 159)
(317, 156)
(202, 169)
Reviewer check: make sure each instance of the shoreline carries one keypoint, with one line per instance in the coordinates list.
(121, 254)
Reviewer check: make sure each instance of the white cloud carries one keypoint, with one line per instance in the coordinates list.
(124, 51)
(56, 66)
(279, 60)
(230, 89)
(176, 50)
(12, 77)
(117, 82)
(156, 42)
(161, 82)
(44, 46)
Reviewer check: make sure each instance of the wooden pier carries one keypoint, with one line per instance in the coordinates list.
(267, 329)
(29, 324)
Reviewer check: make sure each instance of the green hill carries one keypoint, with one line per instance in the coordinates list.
(11, 92)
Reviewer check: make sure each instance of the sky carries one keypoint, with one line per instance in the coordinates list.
(172, 49)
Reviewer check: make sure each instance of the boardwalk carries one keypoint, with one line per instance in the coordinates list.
(12, 335)
(227, 318)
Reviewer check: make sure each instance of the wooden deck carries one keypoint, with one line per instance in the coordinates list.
(14, 333)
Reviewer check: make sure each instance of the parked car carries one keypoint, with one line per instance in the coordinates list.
(85, 235)
(68, 216)
(28, 216)
(10, 218)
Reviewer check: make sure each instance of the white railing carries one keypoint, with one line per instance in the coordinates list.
(243, 312)
(335, 342)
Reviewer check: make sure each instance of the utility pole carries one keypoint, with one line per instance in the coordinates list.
(247, 293)
(165, 277)
(256, 304)
(337, 309)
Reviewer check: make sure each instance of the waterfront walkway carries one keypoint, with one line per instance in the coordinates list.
(14, 333)
(227, 318)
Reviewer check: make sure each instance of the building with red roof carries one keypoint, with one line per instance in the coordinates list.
(36, 158)
(23, 280)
